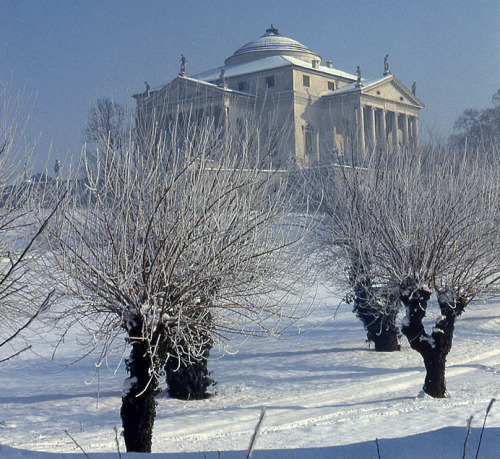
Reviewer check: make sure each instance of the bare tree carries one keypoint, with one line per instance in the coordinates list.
(106, 124)
(342, 246)
(106, 129)
(420, 223)
(181, 244)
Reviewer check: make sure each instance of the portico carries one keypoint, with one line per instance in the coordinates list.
(373, 128)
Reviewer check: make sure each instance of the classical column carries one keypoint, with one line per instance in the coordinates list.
(415, 131)
(383, 129)
(406, 142)
(226, 104)
(394, 132)
(361, 129)
(371, 127)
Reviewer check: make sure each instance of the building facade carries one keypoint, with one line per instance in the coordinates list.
(316, 109)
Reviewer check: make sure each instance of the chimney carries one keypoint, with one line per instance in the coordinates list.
(329, 64)
(315, 64)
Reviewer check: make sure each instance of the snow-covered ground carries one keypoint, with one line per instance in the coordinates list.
(326, 393)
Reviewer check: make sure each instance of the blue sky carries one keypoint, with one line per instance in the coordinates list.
(65, 53)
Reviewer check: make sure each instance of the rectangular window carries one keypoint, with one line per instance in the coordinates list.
(242, 85)
(270, 81)
(306, 81)
(331, 86)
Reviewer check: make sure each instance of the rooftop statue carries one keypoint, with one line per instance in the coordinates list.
(183, 64)
(223, 77)
(272, 31)
(386, 65)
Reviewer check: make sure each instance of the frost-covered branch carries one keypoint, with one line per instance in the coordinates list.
(21, 302)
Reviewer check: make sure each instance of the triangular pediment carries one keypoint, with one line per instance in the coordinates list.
(391, 89)
(188, 88)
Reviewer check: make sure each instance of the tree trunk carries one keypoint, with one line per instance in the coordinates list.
(380, 327)
(433, 348)
(387, 340)
(138, 400)
(186, 368)
(189, 380)
(435, 366)
(376, 309)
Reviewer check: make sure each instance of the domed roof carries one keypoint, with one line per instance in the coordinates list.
(271, 44)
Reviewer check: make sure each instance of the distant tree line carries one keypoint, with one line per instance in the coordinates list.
(477, 130)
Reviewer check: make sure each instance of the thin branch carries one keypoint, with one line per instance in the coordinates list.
(255, 434)
(77, 444)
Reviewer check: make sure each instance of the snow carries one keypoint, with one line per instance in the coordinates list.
(353, 87)
(128, 383)
(321, 68)
(272, 43)
(242, 69)
(429, 339)
(406, 319)
(325, 392)
(446, 296)
(131, 323)
(266, 63)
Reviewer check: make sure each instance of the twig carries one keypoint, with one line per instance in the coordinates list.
(378, 449)
(76, 443)
(41, 309)
(469, 423)
(253, 441)
(32, 241)
(117, 443)
(484, 424)
(16, 354)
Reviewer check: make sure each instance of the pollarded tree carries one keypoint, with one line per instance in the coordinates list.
(180, 244)
(432, 226)
(342, 247)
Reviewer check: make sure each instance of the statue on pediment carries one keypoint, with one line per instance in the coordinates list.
(183, 64)
(386, 65)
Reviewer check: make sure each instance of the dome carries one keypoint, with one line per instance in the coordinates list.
(271, 44)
